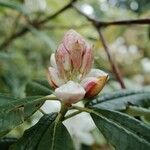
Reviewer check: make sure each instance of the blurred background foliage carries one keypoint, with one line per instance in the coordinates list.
(27, 56)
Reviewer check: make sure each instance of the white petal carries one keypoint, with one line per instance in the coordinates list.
(51, 106)
(53, 60)
(96, 73)
(54, 77)
(71, 92)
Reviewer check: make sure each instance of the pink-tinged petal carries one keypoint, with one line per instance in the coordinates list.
(96, 73)
(88, 83)
(87, 61)
(70, 93)
(63, 60)
(54, 78)
(93, 85)
(53, 60)
(76, 46)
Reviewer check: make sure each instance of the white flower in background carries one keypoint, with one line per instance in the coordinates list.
(123, 52)
(145, 62)
(79, 126)
(35, 5)
(51, 106)
(71, 74)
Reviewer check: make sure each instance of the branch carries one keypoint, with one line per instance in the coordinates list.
(35, 24)
(112, 62)
(124, 22)
(114, 66)
(110, 23)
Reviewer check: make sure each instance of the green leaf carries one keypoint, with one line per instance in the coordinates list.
(38, 87)
(56, 139)
(9, 103)
(15, 111)
(45, 134)
(13, 5)
(121, 130)
(32, 136)
(121, 99)
(6, 142)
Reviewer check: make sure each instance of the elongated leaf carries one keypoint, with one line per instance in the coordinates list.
(9, 103)
(56, 139)
(32, 136)
(121, 99)
(15, 111)
(43, 82)
(13, 5)
(122, 131)
(38, 87)
(129, 122)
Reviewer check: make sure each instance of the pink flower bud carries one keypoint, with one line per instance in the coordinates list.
(75, 45)
(63, 60)
(94, 82)
(71, 74)
(74, 54)
(87, 61)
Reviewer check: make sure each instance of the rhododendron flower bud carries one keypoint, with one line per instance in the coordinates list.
(94, 82)
(74, 55)
(71, 74)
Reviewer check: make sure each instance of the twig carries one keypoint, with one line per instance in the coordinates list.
(124, 22)
(100, 24)
(113, 64)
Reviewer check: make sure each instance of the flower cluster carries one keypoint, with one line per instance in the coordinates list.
(71, 72)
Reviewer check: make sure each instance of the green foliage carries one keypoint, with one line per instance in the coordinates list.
(6, 142)
(38, 87)
(15, 111)
(122, 131)
(56, 139)
(31, 138)
(44, 136)
(120, 100)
